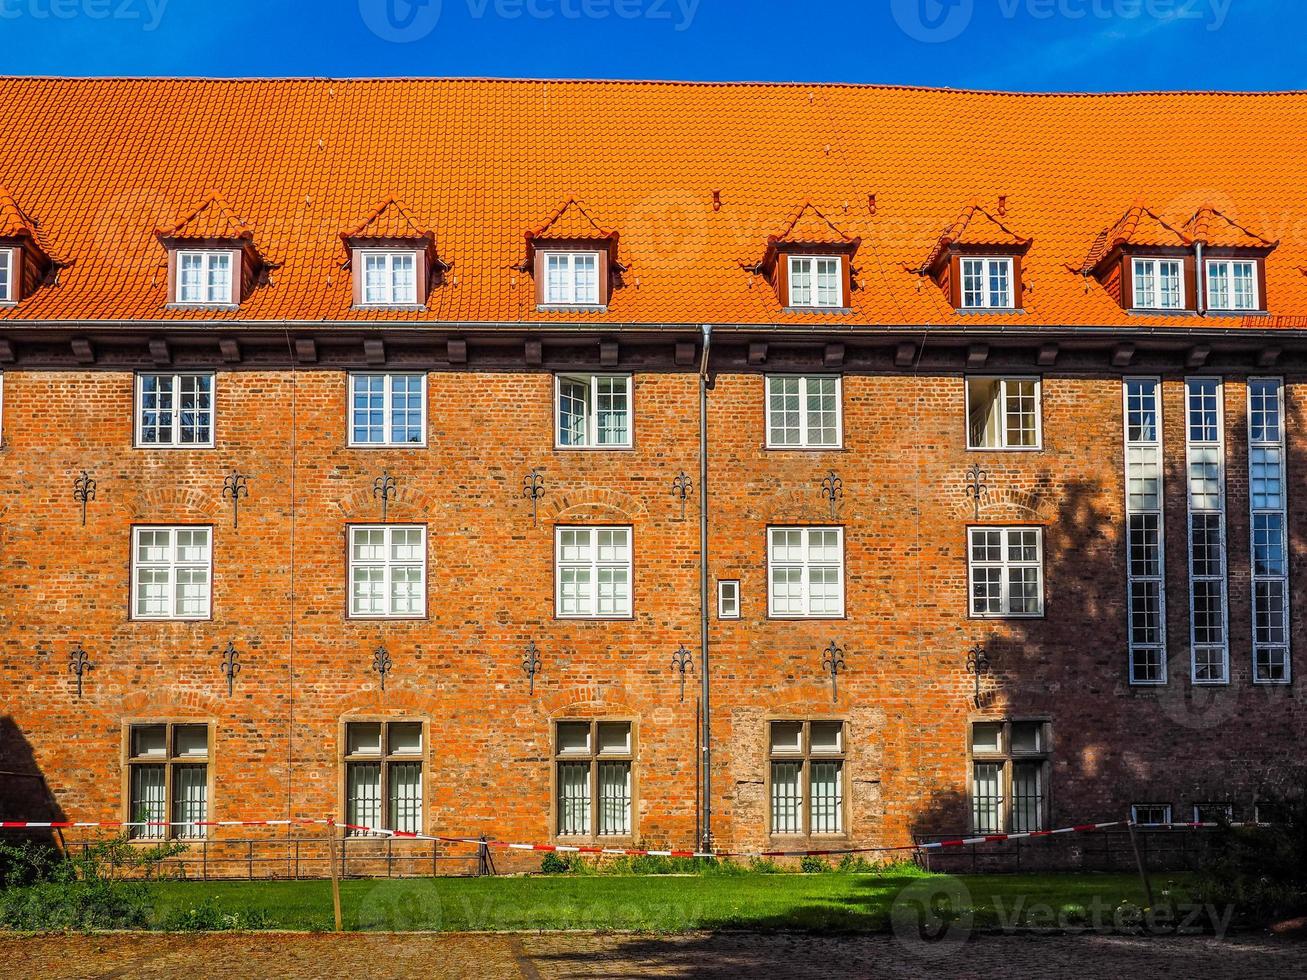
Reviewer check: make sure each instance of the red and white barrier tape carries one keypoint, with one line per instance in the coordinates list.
(575, 848)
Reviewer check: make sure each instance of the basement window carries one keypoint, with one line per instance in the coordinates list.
(1151, 814)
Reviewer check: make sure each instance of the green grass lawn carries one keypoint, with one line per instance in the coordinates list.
(664, 904)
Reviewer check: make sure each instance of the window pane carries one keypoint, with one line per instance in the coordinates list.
(783, 417)
(1020, 425)
(405, 737)
(615, 737)
(987, 736)
(147, 802)
(1027, 796)
(986, 797)
(573, 737)
(149, 741)
(573, 798)
(363, 738)
(573, 411)
(405, 784)
(190, 740)
(826, 736)
(614, 798)
(1027, 736)
(983, 417)
(786, 798)
(801, 282)
(787, 736)
(190, 800)
(363, 796)
(827, 797)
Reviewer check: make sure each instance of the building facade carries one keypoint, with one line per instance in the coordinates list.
(400, 396)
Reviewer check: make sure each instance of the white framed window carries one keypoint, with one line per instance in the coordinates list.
(1158, 284)
(1268, 499)
(389, 278)
(805, 572)
(387, 409)
(593, 763)
(1232, 285)
(804, 412)
(1003, 413)
(167, 780)
(172, 572)
(1151, 814)
(1209, 639)
(204, 278)
(383, 776)
(987, 284)
(571, 278)
(815, 281)
(593, 571)
(1006, 569)
(1145, 530)
(728, 598)
(594, 411)
(7, 275)
(387, 571)
(174, 410)
(807, 777)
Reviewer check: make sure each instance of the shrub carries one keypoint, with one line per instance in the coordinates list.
(208, 916)
(813, 865)
(552, 864)
(765, 866)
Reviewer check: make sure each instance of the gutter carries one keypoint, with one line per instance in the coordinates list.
(1200, 281)
(705, 738)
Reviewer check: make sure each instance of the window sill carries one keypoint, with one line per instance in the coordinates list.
(389, 307)
(1136, 311)
(204, 307)
(1287, 682)
(1003, 616)
(594, 449)
(559, 617)
(992, 310)
(172, 619)
(571, 308)
(1006, 449)
(804, 449)
(387, 445)
(806, 619)
(836, 310)
(1236, 314)
(350, 618)
(148, 446)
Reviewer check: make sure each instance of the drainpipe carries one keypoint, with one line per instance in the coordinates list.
(705, 738)
(1200, 280)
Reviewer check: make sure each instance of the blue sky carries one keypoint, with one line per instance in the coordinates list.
(1009, 44)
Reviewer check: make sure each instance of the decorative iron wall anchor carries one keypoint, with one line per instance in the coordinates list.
(79, 663)
(84, 492)
(384, 487)
(381, 663)
(234, 486)
(531, 665)
(682, 487)
(833, 661)
(976, 486)
(230, 665)
(533, 488)
(832, 488)
(684, 662)
(977, 664)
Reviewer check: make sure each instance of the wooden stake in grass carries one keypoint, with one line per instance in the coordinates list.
(335, 873)
(1143, 875)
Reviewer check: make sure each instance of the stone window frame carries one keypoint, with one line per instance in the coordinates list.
(805, 756)
(170, 760)
(1007, 757)
(593, 757)
(386, 759)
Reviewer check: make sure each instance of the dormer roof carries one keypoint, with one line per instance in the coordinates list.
(1139, 226)
(807, 226)
(390, 219)
(15, 223)
(974, 226)
(1216, 230)
(571, 221)
(211, 220)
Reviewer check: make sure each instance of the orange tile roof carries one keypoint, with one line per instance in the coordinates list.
(1140, 225)
(103, 162)
(1211, 227)
(211, 219)
(974, 226)
(389, 219)
(14, 223)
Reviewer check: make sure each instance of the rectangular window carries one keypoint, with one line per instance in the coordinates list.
(1213, 813)
(204, 278)
(592, 778)
(728, 599)
(805, 572)
(168, 780)
(387, 409)
(1006, 569)
(7, 275)
(1232, 285)
(1205, 461)
(1268, 491)
(571, 279)
(807, 777)
(815, 282)
(1003, 413)
(1145, 551)
(174, 410)
(1009, 776)
(1151, 814)
(387, 571)
(1159, 284)
(803, 412)
(987, 284)
(390, 278)
(593, 571)
(383, 776)
(172, 568)
(594, 411)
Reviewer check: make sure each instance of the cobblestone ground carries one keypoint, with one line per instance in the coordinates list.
(718, 956)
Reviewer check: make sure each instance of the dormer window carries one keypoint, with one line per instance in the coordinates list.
(815, 281)
(389, 278)
(1232, 285)
(204, 277)
(986, 283)
(1158, 284)
(571, 278)
(6, 275)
